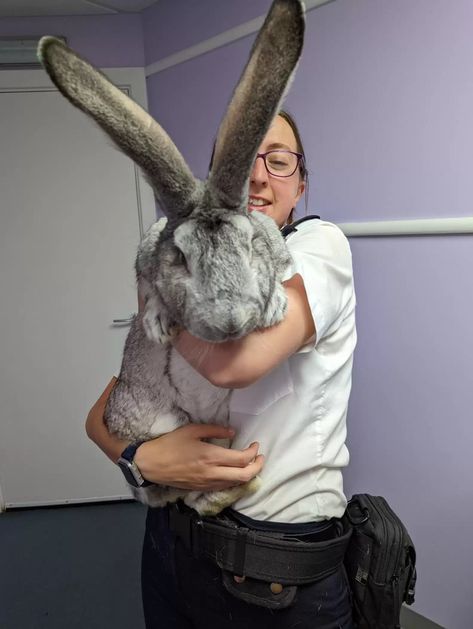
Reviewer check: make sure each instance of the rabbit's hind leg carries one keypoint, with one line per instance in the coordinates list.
(157, 495)
(211, 503)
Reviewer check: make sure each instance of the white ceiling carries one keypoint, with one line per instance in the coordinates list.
(34, 8)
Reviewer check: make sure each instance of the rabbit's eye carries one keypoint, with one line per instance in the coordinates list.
(181, 259)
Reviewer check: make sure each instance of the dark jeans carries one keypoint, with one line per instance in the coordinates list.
(181, 592)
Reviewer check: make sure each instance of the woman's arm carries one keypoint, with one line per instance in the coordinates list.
(237, 364)
(180, 458)
(97, 430)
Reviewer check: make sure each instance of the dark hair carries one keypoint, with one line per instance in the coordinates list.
(285, 115)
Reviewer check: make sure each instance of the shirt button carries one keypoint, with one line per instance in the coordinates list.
(276, 588)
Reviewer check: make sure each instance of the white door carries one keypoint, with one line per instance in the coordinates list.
(71, 211)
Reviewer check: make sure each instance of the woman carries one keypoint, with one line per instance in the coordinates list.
(291, 386)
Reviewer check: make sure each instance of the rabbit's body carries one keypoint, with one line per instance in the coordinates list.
(213, 269)
(157, 390)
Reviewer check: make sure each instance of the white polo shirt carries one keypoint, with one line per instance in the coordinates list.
(298, 411)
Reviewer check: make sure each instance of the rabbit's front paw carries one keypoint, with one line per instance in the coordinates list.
(276, 308)
(157, 325)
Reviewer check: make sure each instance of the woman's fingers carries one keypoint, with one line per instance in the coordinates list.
(224, 478)
(182, 459)
(236, 476)
(218, 454)
(232, 458)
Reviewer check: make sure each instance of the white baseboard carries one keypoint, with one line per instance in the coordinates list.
(2, 502)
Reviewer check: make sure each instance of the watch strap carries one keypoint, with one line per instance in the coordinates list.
(127, 457)
(130, 451)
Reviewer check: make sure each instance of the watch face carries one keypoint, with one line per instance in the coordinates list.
(131, 473)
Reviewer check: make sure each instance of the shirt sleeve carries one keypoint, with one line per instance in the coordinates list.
(321, 255)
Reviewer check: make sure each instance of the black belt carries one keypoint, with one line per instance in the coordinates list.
(257, 554)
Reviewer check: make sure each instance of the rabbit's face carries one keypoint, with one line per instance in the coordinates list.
(219, 275)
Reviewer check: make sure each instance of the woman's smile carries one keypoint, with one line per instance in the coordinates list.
(258, 203)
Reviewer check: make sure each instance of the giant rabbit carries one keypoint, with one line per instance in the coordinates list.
(210, 267)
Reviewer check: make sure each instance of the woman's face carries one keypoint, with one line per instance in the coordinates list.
(279, 194)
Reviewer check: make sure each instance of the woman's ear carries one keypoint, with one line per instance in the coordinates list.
(300, 190)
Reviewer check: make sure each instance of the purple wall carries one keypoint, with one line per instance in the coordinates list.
(170, 26)
(410, 429)
(109, 41)
(383, 96)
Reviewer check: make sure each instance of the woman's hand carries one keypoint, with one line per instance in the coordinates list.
(180, 458)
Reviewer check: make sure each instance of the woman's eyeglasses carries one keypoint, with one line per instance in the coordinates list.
(280, 163)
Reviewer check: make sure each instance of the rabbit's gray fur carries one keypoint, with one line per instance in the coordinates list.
(158, 390)
(210, 267)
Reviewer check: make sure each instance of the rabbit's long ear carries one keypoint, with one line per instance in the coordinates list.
(133, 130)
(257, 98)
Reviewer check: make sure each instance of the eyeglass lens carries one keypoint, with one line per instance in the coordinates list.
(281, 163)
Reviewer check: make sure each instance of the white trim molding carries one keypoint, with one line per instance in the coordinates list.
(64, 503)
(222, 39)
(414, 227)
(3, 506)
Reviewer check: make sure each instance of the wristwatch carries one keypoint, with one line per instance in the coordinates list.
(129, 468)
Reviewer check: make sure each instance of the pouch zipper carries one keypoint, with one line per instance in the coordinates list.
(385, 565)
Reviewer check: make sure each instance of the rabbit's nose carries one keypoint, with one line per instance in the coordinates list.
(236, 324)
(232, 329)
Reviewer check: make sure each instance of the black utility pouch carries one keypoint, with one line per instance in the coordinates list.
(380, 563)
(259, 592)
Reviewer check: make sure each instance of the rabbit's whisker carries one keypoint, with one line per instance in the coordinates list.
(199, 352)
